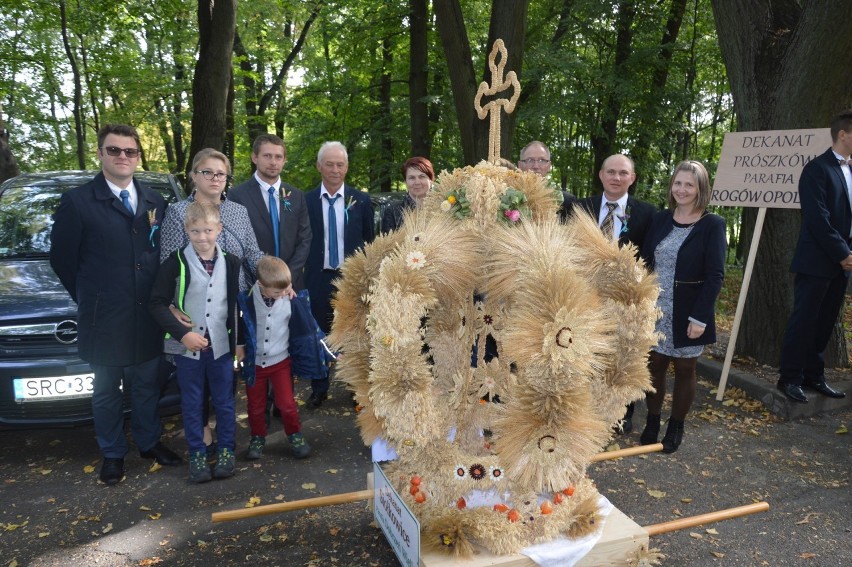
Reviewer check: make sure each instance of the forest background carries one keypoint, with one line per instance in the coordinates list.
(659, 80)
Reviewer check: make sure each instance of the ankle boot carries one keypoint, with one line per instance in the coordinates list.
(652, 430)
(673, 437)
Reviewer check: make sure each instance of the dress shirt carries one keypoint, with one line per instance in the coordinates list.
(116, 190)
(618, 213)
(264, 191)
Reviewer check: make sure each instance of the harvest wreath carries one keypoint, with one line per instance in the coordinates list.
(492, 449)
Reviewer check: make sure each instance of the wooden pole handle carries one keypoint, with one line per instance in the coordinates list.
(628, 452)
(683, 523)
(332, 500)
(348, 497)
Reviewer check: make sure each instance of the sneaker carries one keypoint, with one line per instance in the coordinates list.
(225, 464)
(255, 448)
(199, 470)
(299, 446)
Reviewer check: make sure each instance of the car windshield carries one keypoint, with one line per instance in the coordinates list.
(26, 216)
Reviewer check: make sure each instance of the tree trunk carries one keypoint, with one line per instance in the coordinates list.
(210, 84)
(77, 110)
(782, 61)
(603, 140)
(508, 22)
(418, 78)
(8, 164)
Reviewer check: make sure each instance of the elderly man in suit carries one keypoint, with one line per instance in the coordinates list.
(822, 263)
(105, 248)
(621, 217)
(277, 210)
(342, 222)
(535, 157)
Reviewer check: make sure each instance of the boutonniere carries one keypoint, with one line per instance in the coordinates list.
(154, 224)
(624, 219)
(284, 197)
(349, 205)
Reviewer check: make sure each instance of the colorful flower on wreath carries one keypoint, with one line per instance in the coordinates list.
(489, 318)
(477, 471)
(624, 218)
(415, 259)
(460, 472)
(154, 224)
(496, 473)
(457, 204)
(513, 205)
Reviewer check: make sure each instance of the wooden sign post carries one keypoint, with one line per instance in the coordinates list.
(761, 169)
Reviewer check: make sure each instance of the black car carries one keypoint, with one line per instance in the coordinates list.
(43, 382)
(382, 202)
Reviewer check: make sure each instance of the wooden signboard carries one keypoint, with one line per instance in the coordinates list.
(761, 169)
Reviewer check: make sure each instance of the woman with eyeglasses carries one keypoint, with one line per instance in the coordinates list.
(209, 176)
(419, 175)
(685, 246)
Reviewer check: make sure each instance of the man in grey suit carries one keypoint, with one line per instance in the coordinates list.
(277, 210)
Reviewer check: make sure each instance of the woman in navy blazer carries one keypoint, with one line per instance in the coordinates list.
(686, 247)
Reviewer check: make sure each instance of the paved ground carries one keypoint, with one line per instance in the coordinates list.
(54, 513)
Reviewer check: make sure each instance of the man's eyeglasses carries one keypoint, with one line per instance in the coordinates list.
(532, 161)
(211, 176)
(114, 151)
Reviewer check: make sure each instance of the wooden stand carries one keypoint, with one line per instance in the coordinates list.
(620, 540)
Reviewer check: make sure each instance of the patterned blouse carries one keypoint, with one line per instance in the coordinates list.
(237, 236)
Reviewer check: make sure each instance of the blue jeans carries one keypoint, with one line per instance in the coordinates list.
(218, 374)
(108, 406)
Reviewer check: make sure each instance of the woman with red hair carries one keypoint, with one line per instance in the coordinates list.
(419, 176)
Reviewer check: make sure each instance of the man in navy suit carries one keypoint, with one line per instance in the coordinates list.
(622, 217)
(105, 248)
(265, 190)
(822, 263)
(342, 222)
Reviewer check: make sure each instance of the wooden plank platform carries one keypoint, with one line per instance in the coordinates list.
(620, 540)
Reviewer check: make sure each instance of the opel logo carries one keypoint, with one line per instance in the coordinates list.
(66, 332)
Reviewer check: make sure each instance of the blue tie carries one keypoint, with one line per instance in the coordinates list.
(125, 200)
(333, 259)
(273, 214)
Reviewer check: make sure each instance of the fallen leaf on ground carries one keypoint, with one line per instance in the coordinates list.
(155, 467)
(155, 516)
(107, 529)
(331, 471)
(309, 486)
(43, 534)
(807, 555)
(657, 493)
(686, 500)
(88, 469)
(717, 554)
(695, 535)
(253, 501)
(711, 531)
(144, 508)
(334, 531)
(841, 430)
(265, 538)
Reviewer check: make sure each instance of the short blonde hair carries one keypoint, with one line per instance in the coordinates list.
(201, 212)
(273, 272)
(702, 180)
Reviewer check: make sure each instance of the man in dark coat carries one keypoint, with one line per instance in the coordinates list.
(353, 226)
(291, 239)
(822, 263)
(105, 248)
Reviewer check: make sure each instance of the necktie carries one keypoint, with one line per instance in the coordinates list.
(273, 216)
(333, 259)
(125, 200)
(845, 162)
(608, 224)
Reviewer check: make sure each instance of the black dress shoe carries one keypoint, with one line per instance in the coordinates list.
(112, 471)
(824, 389)
(315, 400)
(162, 454)
(793, 392)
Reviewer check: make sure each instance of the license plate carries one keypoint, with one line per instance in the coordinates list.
(52, 387)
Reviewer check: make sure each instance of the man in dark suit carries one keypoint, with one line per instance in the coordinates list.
(630, 218)
(621, 217)
(105, 248)
(535, 157)
(342, 222)
(276, 208)
(822, 263)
